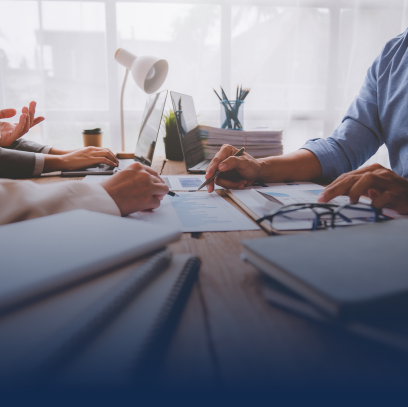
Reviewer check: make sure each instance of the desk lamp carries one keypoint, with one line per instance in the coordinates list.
(149, 73)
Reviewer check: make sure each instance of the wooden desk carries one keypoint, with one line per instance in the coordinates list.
(229, 336)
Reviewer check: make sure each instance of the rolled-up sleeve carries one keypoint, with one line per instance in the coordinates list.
(357, 138)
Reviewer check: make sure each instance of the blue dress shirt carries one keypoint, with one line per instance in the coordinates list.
(378, 115)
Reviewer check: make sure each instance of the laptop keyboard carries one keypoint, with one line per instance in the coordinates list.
(201, 166)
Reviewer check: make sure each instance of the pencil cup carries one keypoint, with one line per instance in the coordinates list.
(232, 114)
(92, 138)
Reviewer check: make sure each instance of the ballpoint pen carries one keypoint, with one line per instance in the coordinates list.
(206, 182)
(171, 193)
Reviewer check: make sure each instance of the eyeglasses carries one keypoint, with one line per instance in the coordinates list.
(314, 216)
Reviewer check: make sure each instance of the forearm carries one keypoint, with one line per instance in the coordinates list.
(301, 165)
(55, 151)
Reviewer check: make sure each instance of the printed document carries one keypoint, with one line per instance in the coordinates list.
(197, 212)
(287, 195)
(185, 182)
(95, 178)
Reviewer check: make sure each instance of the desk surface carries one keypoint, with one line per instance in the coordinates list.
(229, 335)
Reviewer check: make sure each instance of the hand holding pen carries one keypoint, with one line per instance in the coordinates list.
(236, 172)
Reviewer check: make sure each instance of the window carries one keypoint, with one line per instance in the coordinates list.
(304, 61)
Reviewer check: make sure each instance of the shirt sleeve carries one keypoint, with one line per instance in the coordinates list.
(28, 145)
(39, 164)
(357, 138)
(16, 164)
(22, 200)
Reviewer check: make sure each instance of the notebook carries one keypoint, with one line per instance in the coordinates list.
(389, 332)
(46, 254)
(346, 273)
(115, 338)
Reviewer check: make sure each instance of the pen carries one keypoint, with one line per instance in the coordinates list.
(206, 182)
(171, 193)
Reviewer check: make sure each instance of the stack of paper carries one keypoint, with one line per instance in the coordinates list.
(258, 143)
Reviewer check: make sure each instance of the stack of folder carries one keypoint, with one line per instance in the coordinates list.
(258, 143)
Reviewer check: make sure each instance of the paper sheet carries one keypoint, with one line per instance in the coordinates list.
(185, 182)
(96, 178)
(198, 212)
(291, 195)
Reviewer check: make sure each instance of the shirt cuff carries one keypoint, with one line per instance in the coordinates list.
(39, 164)
(46, 149)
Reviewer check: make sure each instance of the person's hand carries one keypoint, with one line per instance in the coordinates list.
(10, 132)
(85, 157)
(237, 172)
(383, 186)
(136, 188)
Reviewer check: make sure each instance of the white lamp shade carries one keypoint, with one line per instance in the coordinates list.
(149, 72)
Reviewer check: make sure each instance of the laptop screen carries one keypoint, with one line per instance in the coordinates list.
(149, 130)
(187, 125)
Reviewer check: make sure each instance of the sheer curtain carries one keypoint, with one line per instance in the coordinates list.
(304, 60)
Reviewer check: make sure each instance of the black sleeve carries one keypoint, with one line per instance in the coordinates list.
(16, 164)
(26, 145)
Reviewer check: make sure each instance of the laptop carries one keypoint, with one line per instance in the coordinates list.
(187, 125)
(146, 144)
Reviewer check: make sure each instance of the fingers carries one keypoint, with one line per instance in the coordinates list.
(154, 173)
(228, 184)
(337, 189)
(7, 113)
(154, 203)
(31, 112)
(105, 152)
(37, 120)
(225, 152)
(210, 187)
(19, 129)
(385, 199)
(231, 163)
(159, 189)
(103, 160)
(359, 172)
(27, 124)
(365, 183)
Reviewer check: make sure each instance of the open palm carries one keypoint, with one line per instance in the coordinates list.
(10, 132)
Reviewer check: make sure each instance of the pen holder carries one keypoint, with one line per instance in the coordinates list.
(232, 114)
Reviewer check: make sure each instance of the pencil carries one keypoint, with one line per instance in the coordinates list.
(217, 94)
(206, 182)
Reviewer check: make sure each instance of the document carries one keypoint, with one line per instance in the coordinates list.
(185, 182)
(95, 178)
(197, 212)
(287, 195)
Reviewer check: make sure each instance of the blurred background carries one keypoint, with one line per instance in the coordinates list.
(304, 61)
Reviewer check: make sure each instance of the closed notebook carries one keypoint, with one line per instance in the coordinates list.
(346, 273)
(42, 255)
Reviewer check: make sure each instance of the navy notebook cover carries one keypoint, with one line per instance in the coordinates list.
(345, 272)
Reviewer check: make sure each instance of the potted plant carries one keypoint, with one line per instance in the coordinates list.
(172, 140)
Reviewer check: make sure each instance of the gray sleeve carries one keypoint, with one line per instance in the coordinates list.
(16, 164)
(26, 145)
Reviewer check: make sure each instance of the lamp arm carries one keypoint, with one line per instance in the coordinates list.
(122, 120)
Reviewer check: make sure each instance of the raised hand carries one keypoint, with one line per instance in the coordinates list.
(383, 186)
(136, 188)
(237, 172)
(10, 132)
